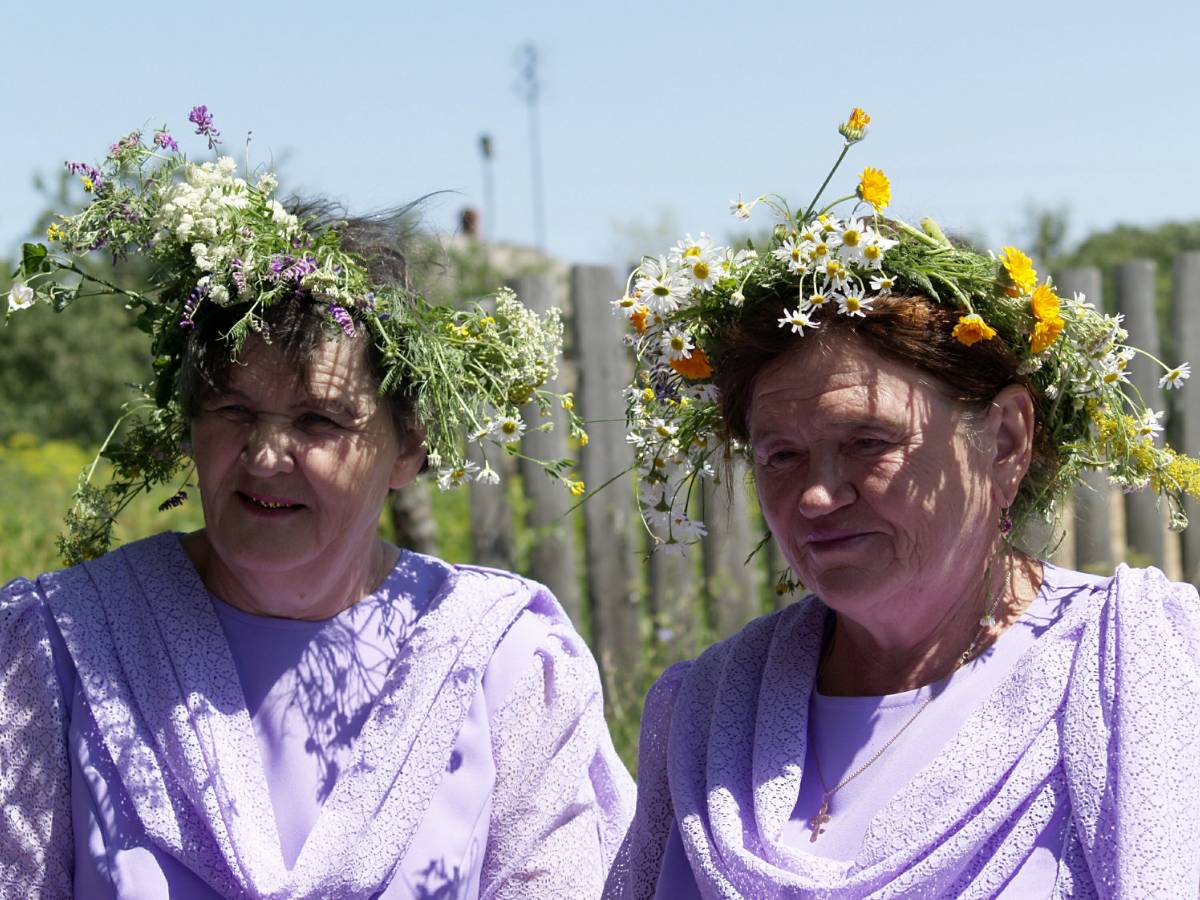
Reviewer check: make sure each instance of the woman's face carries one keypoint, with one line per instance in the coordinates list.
(869, 479)
(294, 471)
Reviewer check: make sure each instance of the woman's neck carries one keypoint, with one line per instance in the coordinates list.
(859, 661)
(284, 595)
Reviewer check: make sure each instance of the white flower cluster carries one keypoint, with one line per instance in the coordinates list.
(200, 212)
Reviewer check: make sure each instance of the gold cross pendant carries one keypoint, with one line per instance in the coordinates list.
(822, 816)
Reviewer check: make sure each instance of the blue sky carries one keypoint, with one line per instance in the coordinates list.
(653, 114)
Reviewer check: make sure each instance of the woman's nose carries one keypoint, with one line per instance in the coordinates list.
(825, 488)
(269, 450)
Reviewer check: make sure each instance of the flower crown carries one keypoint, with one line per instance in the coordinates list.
(681, 307)
(218, 240)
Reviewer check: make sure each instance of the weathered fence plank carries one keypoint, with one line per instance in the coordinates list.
(1135, 298)
(733, 589)
(491, 513)
(1185, 408)
(674, 597)
(612, 578)
(552, 543)
(1093, 499)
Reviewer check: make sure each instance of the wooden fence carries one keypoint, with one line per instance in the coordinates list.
(641, 614)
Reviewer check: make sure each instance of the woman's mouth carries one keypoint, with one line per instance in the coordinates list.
(262, 504)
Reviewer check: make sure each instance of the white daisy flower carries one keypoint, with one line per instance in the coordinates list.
(874, 246)
(853, 303)
(812, 233)
(883, 285)
(797, 320)
(487, 475)
(661, 287)
(1176, 377)
(822, 296)
(663, 428)
(677, 343)
(689, 249)
(685, 529)
(20, 296)
(507, 429)
(453, 476)
(1150, 424)
(854, 237)
(836, 272)
(626, 306)
(741, 209)
(793, 254)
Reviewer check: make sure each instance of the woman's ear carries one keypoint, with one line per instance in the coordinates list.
(410, 459)
(1011, 423)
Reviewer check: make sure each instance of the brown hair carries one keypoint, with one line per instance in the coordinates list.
(910, 329)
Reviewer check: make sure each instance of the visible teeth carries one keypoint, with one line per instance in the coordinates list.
(266, 504)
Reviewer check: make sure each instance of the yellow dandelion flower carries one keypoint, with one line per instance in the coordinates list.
(874, 188)
(1045, 332)
(971, 329)
(1022, 277)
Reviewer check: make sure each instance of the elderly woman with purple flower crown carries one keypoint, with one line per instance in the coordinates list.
(282, 704)
(945, 714)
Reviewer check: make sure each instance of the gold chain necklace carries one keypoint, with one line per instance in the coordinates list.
(816, 823)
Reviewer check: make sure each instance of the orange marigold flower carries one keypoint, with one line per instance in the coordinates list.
(1045, 332)
(1045, 303)
(1022, 277)
(638, 319)
(875, 188)
(694, 366)
(971, 329)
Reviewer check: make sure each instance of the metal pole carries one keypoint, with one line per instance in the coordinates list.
(530, 87)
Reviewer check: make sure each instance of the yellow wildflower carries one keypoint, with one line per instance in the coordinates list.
(576, 488)
(971, 329)
(647, 394)
(583, 438)
(1045, 303)
(874, 188)
(54, 232)
(88, 184)
(1045, 332)
(568, 402)
(1022, 277)
(854, 129)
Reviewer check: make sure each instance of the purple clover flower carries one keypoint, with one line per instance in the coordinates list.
(342, 318)
(164, 140)
(83, 169)
(279, 262)
(203, 120)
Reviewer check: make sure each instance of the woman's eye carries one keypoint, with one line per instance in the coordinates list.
(317, 420)
(780, 459)
(869, 445)
(233, 411)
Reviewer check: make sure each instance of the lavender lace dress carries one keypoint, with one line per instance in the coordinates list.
(444, 738)
(1065, 763)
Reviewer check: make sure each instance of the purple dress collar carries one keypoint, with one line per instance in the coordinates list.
(161, 684)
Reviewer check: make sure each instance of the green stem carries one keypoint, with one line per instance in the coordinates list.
(825, 183)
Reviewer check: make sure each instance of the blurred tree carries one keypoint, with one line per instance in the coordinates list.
(66, 377)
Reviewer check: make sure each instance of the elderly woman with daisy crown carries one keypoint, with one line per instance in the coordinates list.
(282, 704)
(945, 714)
